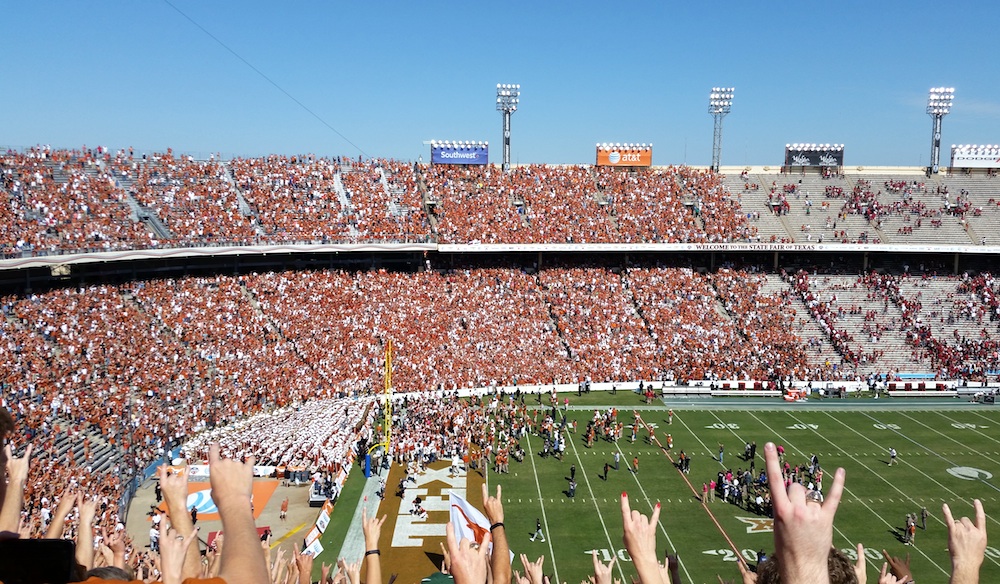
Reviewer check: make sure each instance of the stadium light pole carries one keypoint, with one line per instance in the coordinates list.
(720, 102)
(507, 98)
(939, 103)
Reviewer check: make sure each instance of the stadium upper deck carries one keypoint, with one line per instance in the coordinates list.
(65, 202)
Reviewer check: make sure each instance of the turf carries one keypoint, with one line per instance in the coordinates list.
(929, 442)
(340, 520)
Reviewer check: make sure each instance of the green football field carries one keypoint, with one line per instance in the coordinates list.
(949, 451)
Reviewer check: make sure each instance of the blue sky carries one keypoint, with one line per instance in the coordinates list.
(389, 75)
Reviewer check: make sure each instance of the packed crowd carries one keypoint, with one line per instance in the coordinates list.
(148, 365)
(477, 204)
(59, 201)
(292, 198)
(194, 200)
(95, 553)
(317, 435)
(93, 199)
(386, 202)
(678, 204)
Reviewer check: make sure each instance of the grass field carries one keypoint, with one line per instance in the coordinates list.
(948, 452)
(930, 441)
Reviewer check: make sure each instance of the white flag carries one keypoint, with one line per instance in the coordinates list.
(468, 522)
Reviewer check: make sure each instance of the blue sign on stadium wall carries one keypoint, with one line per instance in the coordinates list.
(460, 154)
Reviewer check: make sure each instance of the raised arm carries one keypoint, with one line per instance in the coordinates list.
(966, 544)
(174, 486)
(58, 523)
(640, 541)
(232, 487)
(17, 478)
(85, 534)
(372, 529)
(803, 527)
(500, 558)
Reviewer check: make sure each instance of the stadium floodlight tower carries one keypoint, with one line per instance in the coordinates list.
(938, 106)
(507, 98)
(720, 102)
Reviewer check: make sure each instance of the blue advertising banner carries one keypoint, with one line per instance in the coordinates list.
(464, 154)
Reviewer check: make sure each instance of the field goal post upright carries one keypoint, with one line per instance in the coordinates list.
(386, 438)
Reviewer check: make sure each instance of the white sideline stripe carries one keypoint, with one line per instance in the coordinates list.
(873, 512)
(586, 479)
(659, 523)
(541, 503)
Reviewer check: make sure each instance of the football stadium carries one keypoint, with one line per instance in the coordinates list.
(346, 367)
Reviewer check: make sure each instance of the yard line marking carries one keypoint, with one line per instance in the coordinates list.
(586, 479)
(660, 523)
(936, 431)
(919, 445)
(846, 490)
(976, 430)
(956, 495)
(541, 503)
(703, 445)
(697, 497)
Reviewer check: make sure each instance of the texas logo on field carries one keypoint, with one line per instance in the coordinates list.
(758, 524)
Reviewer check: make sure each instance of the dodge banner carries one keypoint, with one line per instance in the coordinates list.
(975, 156)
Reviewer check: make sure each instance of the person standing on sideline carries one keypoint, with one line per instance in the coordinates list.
(711, 490)
(572, 491)
(617, 458)
(538, 530)
(892, 456)
(670, 417)
(704, 492)
(923, 518)
(607, 467)
(572, 472)
(722, 451)
(284, 506)
(670, 442)
(194, 515)
(635, 464)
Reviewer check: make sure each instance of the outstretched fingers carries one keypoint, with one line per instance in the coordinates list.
(832, 499)
(779, 497)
